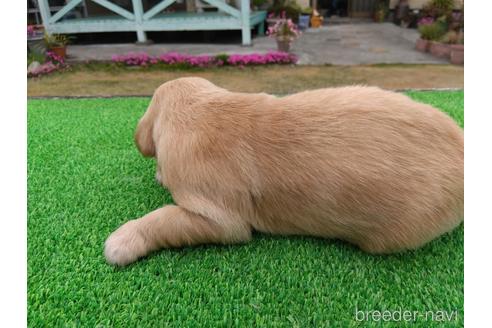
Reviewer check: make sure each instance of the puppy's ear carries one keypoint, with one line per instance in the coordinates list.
(143, 136)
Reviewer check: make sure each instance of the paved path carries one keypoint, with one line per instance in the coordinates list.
(345, 44)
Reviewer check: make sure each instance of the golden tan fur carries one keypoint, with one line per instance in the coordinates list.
(360, 164)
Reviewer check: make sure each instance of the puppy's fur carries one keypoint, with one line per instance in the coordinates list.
(360, 164)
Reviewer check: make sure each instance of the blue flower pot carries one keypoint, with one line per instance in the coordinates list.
(303, 22)
(36, 44)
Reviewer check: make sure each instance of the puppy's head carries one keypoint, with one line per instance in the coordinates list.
(167, 102)
(144, 135)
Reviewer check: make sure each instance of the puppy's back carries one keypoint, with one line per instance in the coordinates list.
(357, 162)
(361, 164)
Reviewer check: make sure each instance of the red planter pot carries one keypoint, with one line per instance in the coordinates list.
(422, 45)
(60, 51)
(458, 54)
(439, 49)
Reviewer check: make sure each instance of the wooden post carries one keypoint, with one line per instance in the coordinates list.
(190, 6)
(315, 4)
(44, 10)
(158, 8)
(64, 10)
(138, 12)
(261, 28)
(245, 23)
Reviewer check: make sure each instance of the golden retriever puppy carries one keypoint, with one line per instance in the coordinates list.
(371, 167)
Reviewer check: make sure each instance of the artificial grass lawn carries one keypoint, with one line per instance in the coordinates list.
(86, 178)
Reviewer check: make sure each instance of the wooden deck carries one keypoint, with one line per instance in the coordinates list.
(227, 18)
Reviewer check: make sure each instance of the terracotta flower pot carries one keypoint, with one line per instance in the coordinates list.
(283, 45)
(458, 54)
(422, 45)
(60, 51)
(316, 21)
(439, 49)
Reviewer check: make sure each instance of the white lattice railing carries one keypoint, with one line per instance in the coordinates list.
(140, 21)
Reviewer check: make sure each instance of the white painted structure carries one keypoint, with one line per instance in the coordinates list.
(154, 19)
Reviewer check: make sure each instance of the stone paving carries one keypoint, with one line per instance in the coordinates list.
(343, 44)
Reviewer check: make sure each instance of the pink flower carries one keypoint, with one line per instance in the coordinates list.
(30, 30)
(284, 29)
(174, 58)
(426, 21)
(52, 64)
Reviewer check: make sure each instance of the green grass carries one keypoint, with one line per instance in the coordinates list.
(86, 178)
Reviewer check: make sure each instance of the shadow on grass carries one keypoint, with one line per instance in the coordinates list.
(435, 251)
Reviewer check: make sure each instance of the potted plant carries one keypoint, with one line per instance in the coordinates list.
(457, 55)
(427, 32)
(437, 47)
(455, 49)
(35, 39)
(288, 8)
(438, 8)
(440, 49)
(430, 35)
(284, 31)
(57, 43)
(381, 11)
(316, 19)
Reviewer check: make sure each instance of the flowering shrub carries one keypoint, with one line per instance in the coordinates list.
(132, 59)
(53, 63)
(30, 30)
(432, 32)
(54, 58)
(174, 59)
(457, 21)
(284, 29)
(43, 69)
(34, 31)
(273, 57)
(425, 21)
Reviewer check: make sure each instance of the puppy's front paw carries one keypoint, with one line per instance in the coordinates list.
(125, 245)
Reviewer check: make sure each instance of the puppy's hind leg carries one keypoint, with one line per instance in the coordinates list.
(169, 226)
